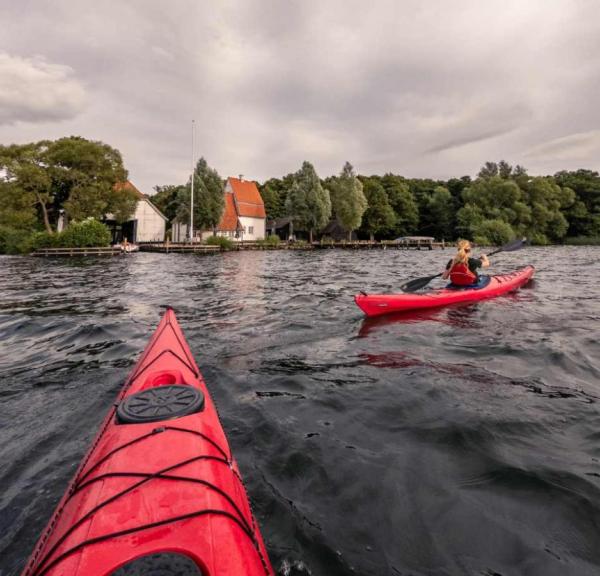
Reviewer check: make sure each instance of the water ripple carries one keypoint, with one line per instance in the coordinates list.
(457, 441)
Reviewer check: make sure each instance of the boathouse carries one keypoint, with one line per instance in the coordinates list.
(147, 223)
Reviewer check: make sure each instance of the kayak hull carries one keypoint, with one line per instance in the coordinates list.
(155, 486)
(379, 304)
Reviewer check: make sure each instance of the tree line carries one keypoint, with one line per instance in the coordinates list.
(501, 203)
(76, 178)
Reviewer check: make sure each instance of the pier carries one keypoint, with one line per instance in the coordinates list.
(409, 243)
(73, 252)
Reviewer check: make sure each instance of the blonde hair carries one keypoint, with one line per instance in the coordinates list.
(462, 256)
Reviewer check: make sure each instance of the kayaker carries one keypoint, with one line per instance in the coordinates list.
(462, 269)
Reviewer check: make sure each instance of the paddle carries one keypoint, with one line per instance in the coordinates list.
(418, 283)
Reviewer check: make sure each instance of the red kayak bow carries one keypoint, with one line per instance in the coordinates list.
(378, 304)
(159, 491)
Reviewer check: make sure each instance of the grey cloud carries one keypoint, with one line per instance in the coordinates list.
(426, 89)
(573, 146)
(34, 90)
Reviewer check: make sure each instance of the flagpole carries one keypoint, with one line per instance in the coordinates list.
(192, 194)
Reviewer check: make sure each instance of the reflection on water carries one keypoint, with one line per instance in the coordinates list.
(459, 441)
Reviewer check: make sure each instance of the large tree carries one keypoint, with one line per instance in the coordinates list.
(25, 168)
(493, 198)
(17, 210)
(547, 200)
(348, 201)
(270, 195)
(584, 214)
(379, 218)
(307, 202)
(442, 213)
(209, 199)
(73, 173)
(402, 202)
(166, 200)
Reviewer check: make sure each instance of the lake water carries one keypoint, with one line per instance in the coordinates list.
(463, 441)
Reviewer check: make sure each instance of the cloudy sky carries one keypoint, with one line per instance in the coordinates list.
(420, 88)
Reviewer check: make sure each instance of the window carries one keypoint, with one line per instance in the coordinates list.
(250, 229)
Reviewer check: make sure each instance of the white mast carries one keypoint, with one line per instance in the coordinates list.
(192, 195)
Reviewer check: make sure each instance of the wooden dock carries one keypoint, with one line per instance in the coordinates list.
(166, 248)
(407, 244)
(383, 244)
(72, 252)
(198, 248)
(170, 247)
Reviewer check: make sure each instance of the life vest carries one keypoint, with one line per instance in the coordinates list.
(461, 275)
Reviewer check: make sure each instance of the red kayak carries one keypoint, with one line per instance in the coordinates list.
(159, 491)
(488, 287)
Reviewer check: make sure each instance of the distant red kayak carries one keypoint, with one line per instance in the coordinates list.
(378, 304)
(159, 491)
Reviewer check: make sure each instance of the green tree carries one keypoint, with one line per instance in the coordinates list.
(403, 204)
(71, 173)
(442, 213)
(504, 170)
(493, 232)
(584, 214)
(84, 174)
(489, 170)
(25, 168)
(166, 200)
(209, 199)
(307, 202)
(379, 217)
(547, 200)
(493, 198)
(270, 195)
(274, 194)
(347, 199)
(17, 209)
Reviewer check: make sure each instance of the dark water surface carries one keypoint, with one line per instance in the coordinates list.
(464, 441)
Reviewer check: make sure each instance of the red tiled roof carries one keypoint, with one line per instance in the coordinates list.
(129, 186)
(248, 198)
(229, 220)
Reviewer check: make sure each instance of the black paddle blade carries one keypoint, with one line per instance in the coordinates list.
(417, 283)
(511, 246)
(515, 245)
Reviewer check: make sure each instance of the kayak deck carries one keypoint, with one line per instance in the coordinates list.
(159, 481)
(378, 304)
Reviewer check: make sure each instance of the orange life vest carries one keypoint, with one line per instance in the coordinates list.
(461, 275)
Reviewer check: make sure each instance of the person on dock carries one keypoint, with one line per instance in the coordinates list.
(462, 269)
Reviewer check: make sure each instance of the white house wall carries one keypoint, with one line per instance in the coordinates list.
(256, 224)
(150, 224)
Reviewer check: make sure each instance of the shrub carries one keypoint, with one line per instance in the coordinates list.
(90, 232)
(270, 241)
(538, 239)
(14, 241)
(493, 233)
(44, 240)
(583, 241)
(222, 241)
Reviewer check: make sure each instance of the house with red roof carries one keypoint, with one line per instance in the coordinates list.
(244, 216)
